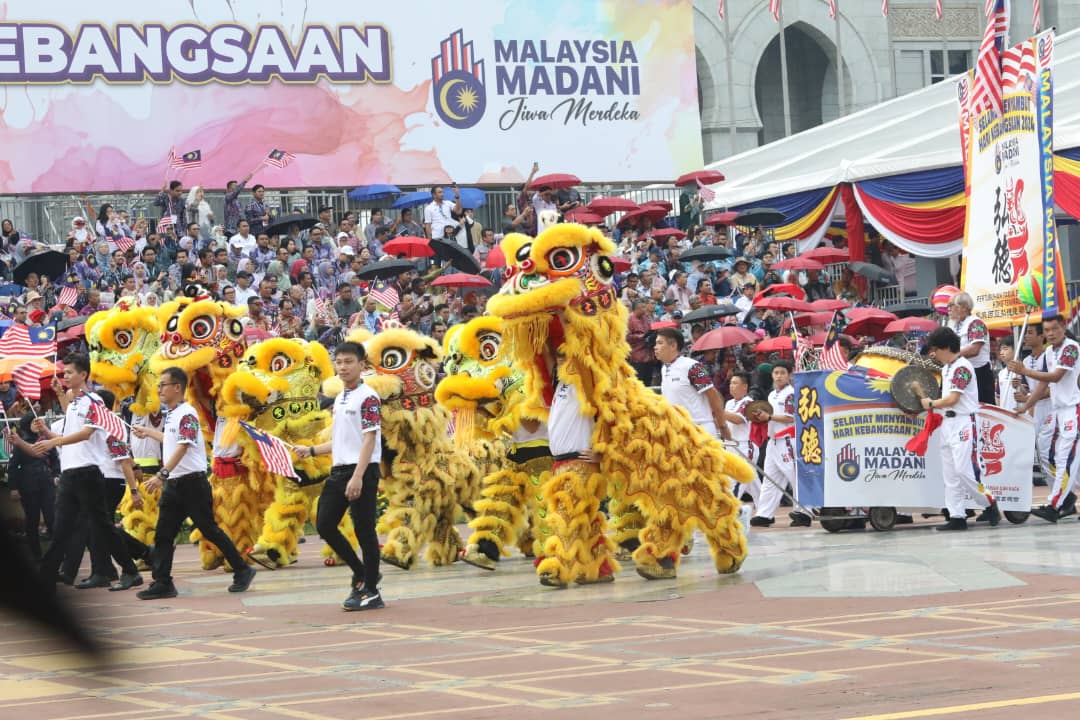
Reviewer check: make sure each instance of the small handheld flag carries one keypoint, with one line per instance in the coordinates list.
(189, 160)
(107, 420)
(68, 296)
(165, 223)
(832, 355)
(28, 380)
(28, 342)
(273, 451)
(279, 158)
(124, 243)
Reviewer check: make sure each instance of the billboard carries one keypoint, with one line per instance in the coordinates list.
(413, 93)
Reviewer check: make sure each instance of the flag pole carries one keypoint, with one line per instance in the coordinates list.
(784, 73)
(841, 100)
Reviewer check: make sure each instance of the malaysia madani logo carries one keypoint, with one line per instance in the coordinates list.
(847, 463)
(458, 83)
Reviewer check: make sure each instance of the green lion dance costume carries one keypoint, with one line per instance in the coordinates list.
(122, 340)
(276, 389)
(559, 298)
(205, 338)
(425, 477)
(481, 380)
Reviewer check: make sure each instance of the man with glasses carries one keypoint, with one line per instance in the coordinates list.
(974, 343)
(186, 492)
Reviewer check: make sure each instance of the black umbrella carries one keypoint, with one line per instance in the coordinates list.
(70, 323)
(710, 312)
(385, 269)
(284, 222)
(760, 216)
(872, 272)
(905, 310)
(458, 256)
(706, 253)
(50, 264)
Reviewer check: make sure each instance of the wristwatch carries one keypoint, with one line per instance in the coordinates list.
(163, 474)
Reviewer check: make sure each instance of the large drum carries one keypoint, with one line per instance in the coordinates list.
(886, 361)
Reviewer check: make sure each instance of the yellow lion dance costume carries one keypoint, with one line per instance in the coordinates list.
(205, 338)
(559, 298)
(276, 389)
(481, 381)
(425, 477)
(121, 341)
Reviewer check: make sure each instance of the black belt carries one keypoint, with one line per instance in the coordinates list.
(175, 480)
(563, 457)
(530, 452)
(952, 414)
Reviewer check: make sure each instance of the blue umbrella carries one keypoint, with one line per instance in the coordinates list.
(366, 193)
(411, 200)
(471, 198)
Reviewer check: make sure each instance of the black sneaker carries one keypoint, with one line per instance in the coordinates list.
(759, 521)
(157, 591)
(1068, 506)
(953, 524)
(126, 582)
(363, 599)
(94, 581)
(799, 519)
(242, 579)
(1047, 512)
(993, 514)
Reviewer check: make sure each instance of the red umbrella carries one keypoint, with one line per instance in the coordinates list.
(723, 337)
(606, 206)
(818, 339)
(781, 343)
(829, 304)
(495, 259)
(911, 324)
(661, 324)
(461, 280)
(646, 212)
(584, 216)
(810, 318)
(556, 181)
(781, 289)
(409, 246)
(621, 264)
(869, 313)
(798, 263)
(254, 335)
(724, 218)
(705, 177)
(659, 204)
(827, 255)
(668, 233)
(783, 304)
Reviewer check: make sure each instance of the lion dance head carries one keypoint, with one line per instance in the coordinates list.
(122, 341)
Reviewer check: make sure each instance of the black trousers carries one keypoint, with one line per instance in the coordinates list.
(984, 377)
(332, 507)
(188, 496)
(81, 492)
(38, 498)
(644, 371)
(122, 547)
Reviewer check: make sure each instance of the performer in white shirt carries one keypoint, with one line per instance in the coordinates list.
(1062, 358)
(780, 453)
(739, 427)
(1006, 396)
(353, 485)
(959, 431)
(185, 491)
(686, 383)
(1041, 412)
(974, 342)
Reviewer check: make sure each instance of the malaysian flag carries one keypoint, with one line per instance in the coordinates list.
(939, 11)
(385, 294)
(802, 347)
(832, 9)
(273, 451)
(833, 356)
(884, 8)
(705, 193)
(28, 380)
(720, 10)
(279, 158)
(165, 224)
(1036, 16)
(68, 296)
(124, 243)
(28, 342)
(189, 160)
(986, 94)
(104, 418)
(774, 8)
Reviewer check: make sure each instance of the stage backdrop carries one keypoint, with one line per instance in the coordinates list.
(418, 92)
(1008, 163)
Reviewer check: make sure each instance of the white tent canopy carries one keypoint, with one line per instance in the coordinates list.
(917, 131)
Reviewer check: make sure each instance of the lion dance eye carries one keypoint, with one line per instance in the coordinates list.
(563, 259)
(202, 327)
(489, 346)
(523, 253)
(123, 339)
(280, 362)
(393, 358)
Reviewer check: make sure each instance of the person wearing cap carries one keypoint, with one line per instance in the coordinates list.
(742, 275)
(723, 287)
(745, 301)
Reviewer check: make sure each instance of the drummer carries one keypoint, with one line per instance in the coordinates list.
(959, 431)
(780, 453)
(1059, 380)
(974, 343)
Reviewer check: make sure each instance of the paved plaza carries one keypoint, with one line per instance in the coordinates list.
(905, 624)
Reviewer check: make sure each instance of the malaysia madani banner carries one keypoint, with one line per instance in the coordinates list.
(412, 93)
(1008, 163)
(850, 448)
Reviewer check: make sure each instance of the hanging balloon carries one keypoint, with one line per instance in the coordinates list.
(1029, 288)
(942, 297)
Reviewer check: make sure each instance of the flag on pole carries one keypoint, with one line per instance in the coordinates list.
(986, 94)
(720, 10)
(774, 8)
(164, 224)
(384, 294)
(104, 418)
(124, 243)
(832, 9)
(188, 161)
(884, 8)
(1036, 15)
(279, 158)
(68, 296)
(273, 451)
(28, 380)
(28, 342)
(801, 345)
(705, 193)
(939, 11)
(833, 356)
